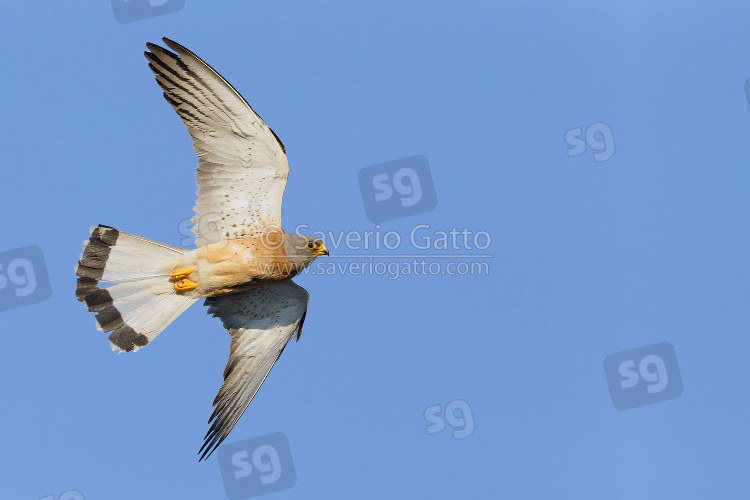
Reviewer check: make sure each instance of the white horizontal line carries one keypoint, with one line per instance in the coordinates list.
(415, 256)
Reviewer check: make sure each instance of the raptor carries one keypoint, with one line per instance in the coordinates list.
(242, 266)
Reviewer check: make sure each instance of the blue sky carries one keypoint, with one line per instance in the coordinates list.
(588, 258)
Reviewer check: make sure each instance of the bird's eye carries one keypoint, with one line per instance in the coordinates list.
(310, 245)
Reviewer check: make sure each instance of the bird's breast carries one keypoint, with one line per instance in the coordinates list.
(234, 265)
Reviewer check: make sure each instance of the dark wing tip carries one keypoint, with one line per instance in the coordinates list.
(301, 324)
(283, 149)
(152, 46)
(175, 46)
(210, 445)
(157, 52)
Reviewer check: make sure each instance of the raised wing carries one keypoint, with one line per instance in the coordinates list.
(261, 321)
(242, 166)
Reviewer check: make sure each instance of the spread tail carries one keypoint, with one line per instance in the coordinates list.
(121, 277)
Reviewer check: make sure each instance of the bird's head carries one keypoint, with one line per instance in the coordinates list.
(302, 249)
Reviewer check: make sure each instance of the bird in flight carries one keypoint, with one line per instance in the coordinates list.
(137, 287)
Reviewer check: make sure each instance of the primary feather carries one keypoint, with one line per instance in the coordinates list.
(242, 167)
(261, 321)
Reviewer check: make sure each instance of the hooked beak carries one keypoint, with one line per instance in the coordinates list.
(322, 250)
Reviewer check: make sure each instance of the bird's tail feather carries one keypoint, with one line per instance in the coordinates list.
(121, 277)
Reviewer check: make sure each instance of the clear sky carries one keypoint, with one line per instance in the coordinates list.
(598, 150)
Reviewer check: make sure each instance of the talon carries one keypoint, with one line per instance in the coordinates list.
(181, 273)
(185, 284)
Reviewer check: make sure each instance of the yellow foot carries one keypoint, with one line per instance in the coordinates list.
(181, 273)
(185, 284)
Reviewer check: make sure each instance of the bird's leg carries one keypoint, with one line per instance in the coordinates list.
(181, 273)
(182, 283)
(185, 284)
